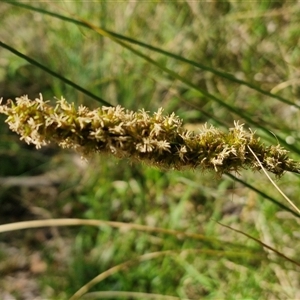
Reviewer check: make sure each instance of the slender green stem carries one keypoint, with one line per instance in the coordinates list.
(264, 195)
(53, 73)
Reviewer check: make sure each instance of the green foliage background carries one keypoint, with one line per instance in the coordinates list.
(256, 42)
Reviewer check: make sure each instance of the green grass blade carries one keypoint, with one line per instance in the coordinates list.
(251, 187)
(262, 244)
(49, 71)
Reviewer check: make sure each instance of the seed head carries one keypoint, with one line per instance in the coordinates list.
(157, 139)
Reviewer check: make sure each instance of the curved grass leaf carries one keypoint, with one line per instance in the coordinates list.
(119, 225)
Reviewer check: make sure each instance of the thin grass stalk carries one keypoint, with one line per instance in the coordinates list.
(98, 223)
(262, 244)
(263, 194)
(54, 74)
(274, 184)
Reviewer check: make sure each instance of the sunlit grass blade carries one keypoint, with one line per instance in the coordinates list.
(97, 223)
(213, 242)
(274, 184)
(219, 73)
(53, 73)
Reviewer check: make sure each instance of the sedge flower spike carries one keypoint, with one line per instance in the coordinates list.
(157, 139)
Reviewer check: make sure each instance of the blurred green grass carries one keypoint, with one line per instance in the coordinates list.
(254, 41)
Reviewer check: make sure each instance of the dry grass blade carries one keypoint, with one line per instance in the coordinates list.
(97, 223)
(53, 73)
(263, 244)
(275, 185)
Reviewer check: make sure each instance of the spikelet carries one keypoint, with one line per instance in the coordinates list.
(157, 139)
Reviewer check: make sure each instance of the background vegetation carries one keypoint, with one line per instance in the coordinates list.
(254, 42)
